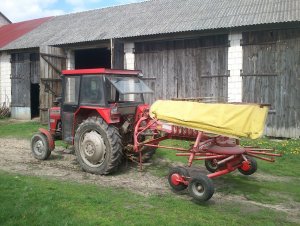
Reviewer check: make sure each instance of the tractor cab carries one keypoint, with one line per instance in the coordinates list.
(103, 87)
(113, 95)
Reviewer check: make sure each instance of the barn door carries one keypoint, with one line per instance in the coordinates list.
(212, 71)
(117, 54)
(271, 75)
(185, 68)
(157, 60)
(20, 85)
(52, 61)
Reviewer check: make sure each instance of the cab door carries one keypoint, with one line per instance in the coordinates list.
(70, 104)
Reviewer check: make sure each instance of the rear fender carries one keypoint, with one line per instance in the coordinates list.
(49, 138)
(84, 112)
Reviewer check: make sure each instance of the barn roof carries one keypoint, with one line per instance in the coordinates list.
(158, 17)
(11, 32)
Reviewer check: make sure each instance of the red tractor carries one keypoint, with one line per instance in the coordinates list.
(97, 114)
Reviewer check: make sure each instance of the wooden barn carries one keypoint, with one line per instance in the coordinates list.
(238, 50)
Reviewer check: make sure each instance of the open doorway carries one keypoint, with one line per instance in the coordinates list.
(35, 100)
(92, 58)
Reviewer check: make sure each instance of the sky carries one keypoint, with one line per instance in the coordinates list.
(20, 10)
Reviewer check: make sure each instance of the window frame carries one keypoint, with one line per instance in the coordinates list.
(98, 76)
(64, 91)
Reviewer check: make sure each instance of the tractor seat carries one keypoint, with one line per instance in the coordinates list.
(236, 150)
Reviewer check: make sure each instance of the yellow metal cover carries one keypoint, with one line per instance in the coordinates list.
(233, 120)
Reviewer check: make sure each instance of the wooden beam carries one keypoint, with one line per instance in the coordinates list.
(53, 55)
(58, 71)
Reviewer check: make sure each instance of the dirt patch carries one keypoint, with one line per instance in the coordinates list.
(15, 156)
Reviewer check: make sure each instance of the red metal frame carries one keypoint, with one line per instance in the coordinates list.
(101, 71)
(226, 152)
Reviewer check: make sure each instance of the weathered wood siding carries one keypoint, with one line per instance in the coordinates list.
(20, 80)
(185, 68)
(52, 62)
(117, 55)
(24, 71)
(271, 74)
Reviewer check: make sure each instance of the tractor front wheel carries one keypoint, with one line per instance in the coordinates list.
(40, 146)
(201, 188)
(98, 146)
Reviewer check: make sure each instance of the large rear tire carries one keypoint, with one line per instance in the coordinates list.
(98, 146)
(40, 146)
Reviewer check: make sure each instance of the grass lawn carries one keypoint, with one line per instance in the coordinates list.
(17, 129)
(35, 201)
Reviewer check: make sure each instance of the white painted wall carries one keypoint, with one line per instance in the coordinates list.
(129, 56)
(70, 60)
(235, 64)
(5, 81)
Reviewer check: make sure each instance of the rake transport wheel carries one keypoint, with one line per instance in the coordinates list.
(98, 146)
(201, 188)
(249, 168)
(40, 146)
(177, 174)
(211, 165)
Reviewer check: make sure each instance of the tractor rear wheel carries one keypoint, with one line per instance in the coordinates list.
(201, 188)
(40, 146)
(175, 175)
(98, 146)
(252, 167)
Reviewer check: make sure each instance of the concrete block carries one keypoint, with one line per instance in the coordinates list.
(23, 113)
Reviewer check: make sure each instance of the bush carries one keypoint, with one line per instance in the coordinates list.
(4, 112)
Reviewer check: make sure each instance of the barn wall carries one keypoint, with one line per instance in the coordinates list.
(52, 61)
(271, 74)
(5, 82)
(70, 59)
(185, 68)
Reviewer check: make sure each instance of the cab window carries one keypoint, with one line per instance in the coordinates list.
(92, 90)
